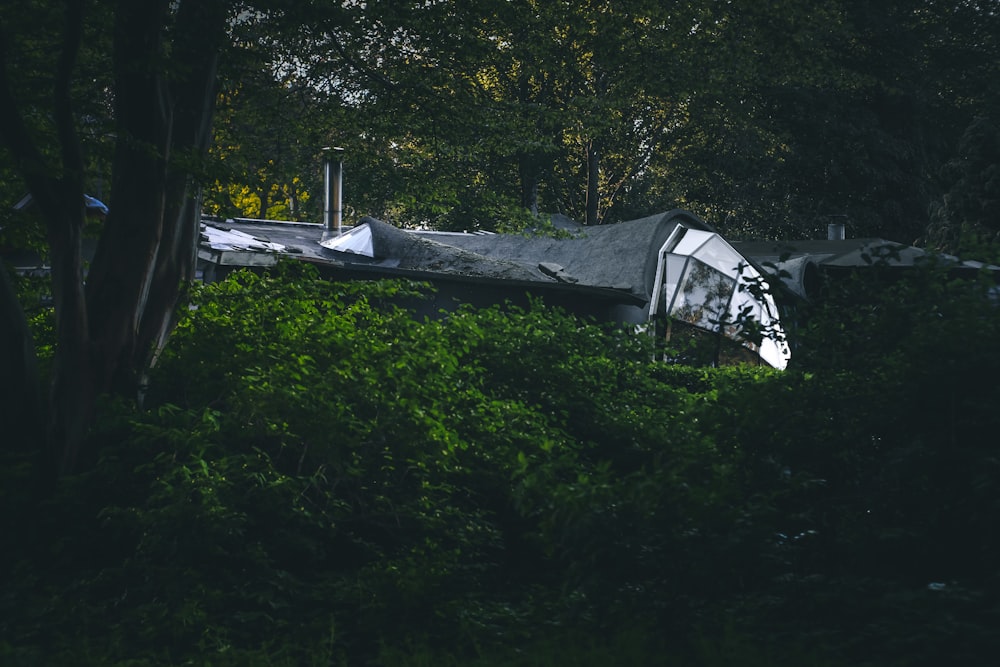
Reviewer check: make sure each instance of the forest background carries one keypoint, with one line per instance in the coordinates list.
(314, 477)
(766, 120)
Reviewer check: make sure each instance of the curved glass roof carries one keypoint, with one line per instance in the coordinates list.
(705, 282)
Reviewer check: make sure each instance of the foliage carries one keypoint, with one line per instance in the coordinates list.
(320, 478)
(968, 216)
(764, 119)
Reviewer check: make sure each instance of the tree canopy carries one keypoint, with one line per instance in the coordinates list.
(765, 119)
(309, 474)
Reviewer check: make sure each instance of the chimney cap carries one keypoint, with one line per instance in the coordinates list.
(328, 149)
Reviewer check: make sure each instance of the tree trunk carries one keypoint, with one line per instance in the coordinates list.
(528, 176)
(203, 26)
(164, 102)
(20, 391)
(265, 201)
(147, 250)
(293, 202)
(58, 193)
(73, 388)
(593, 191)
(122, 270)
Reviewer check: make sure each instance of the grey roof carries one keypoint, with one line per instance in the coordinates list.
(846, 253)
(622, 256)
(798, 263)
(397, 248)
(619, 258)
(93, 205)
(615, 262)
(244, 242)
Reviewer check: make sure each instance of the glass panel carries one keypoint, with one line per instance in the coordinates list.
(744, 308)
(703, 297)
(672, 277)
(761, 313)
(775, 353)
(690, 242)
(720, 255)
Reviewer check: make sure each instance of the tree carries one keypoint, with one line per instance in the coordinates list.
(164, 59)
(554, 106)
(266, 144)
(969, 212)
(765, 119)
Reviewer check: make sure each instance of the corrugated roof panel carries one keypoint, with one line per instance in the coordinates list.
(219, 238)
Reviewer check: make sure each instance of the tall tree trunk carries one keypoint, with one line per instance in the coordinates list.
(73, 389)
(147, 250)
(528, 176)
(593, 190)
(58, 193)
(202, 29)
(122, 270)
(293, 202)
(20, 390)
(164, 102)
(265, 201)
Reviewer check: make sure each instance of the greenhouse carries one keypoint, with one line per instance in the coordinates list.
(703, 281)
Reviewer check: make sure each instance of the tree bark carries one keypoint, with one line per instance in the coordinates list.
(147, 249)
(58, 193)
(201, 29)
(121, 272)
(265, 200)
(529, 177)
(20, 388)
(107, 331)
(593, 190)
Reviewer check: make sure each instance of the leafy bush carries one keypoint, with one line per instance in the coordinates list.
(320, 478)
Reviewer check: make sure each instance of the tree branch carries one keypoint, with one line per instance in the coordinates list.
(63, 108)
(29, 160)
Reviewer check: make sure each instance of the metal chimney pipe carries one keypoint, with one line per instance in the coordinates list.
(333, 177)
(835, 231)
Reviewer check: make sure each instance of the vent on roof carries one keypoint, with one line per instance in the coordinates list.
(333, 177)
(835, 231)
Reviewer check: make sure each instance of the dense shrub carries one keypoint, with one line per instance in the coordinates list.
(320, 478)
